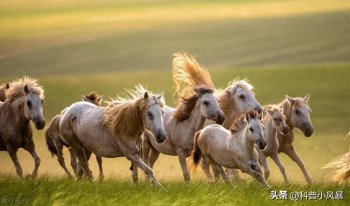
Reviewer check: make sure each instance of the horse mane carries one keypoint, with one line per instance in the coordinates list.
(188, 75)
(185, 107)
(92, 96)
(123, 115)
(3, 89)
(224, 101)
(241, 122)
(17, 88)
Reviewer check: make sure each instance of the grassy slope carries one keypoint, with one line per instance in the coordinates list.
(78, 37)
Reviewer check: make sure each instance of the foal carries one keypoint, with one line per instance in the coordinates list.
(55, 143)
(232, 148)
(275, 123)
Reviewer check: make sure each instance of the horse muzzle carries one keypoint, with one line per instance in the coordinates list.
(262, 144)
(285, 131)
(308, 131)
(40, 124)
(220, 119)
(160, 135)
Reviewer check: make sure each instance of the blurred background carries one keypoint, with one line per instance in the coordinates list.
(293, 47)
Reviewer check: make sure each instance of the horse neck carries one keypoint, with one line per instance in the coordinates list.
(196, 120)
(271, 132)
(287, 109)
(16, 111)
(246, 144)
(228, 110)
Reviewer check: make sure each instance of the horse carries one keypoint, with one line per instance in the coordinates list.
(297, 112)
(196, 103)
(114, 131)
(274, 122)
(236, 99)
(24, 103)
(232, 148)
(55, 143)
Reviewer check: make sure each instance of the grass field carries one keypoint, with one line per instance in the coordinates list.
(281, 47)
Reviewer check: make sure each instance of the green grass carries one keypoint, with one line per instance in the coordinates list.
(48, 191)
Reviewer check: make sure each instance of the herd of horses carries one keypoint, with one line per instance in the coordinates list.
(226, 129)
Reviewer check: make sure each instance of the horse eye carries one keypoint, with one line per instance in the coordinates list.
(42, 101)
(297, 112)
(241, 96)
(251, 129)
(150, 115)
(29, 103)
(206, 103)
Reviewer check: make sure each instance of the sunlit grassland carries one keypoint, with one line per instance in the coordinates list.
(76, 37)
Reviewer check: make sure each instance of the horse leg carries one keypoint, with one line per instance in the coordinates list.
(206, 166)
(99, 162)
(60, 158)
(83, 162)
(135, 159)
(182, 160)
(135, 176)
(146, 148)
(247, 169)
(13, 154)
(294, 156)
(278, 162)
(234, 173)
(219, 170)
(153, 157)
(73, 161)
(30, 147)
(263, 163)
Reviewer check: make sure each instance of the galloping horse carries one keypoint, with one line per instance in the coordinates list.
(24, 103)
(196, 104)
(114, 131)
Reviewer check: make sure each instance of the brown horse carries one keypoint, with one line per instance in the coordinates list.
(24, 103)
(55, 143)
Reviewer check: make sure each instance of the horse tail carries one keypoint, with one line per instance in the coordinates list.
(340, 167)
(49, 143)
(197, 154)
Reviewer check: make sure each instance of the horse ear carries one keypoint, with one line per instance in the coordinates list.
(290, 99)
(160, 96)
(145, 96)
(197, 91)
(307, 97)
(247, 116)
(26, 89)
(99, 100)
(83, 97)
(260, 116)
(7, 86)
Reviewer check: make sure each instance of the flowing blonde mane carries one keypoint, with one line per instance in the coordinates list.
(240, 123)
(188, 74)
(17, 88)
(123, 115)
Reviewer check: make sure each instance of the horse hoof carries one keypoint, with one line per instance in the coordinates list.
(30, 177)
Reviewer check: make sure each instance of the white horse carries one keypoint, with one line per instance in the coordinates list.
(236, 99)
(196, 103)
(232, 149)
(297, 112)
(114, 131)
(275, 123)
